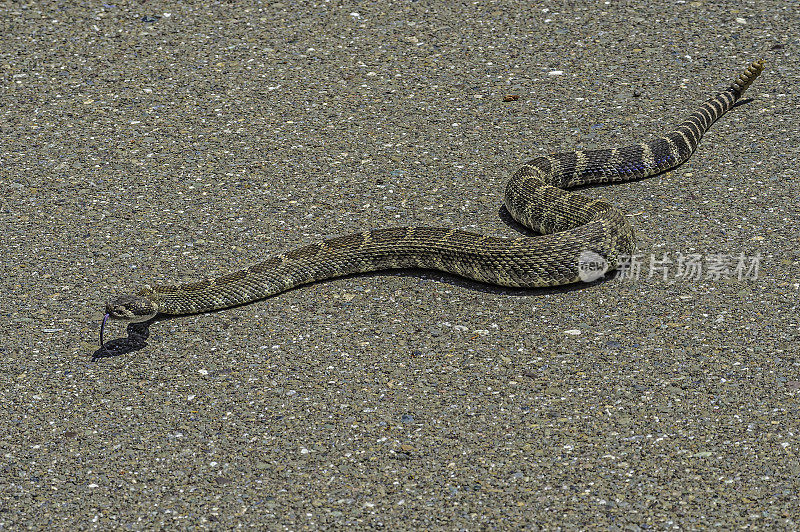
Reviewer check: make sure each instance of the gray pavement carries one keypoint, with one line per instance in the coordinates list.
(155, 143)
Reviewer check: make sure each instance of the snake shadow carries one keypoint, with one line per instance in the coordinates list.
(136, 340)
(138, 333)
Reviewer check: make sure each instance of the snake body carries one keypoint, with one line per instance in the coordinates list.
(570, 224)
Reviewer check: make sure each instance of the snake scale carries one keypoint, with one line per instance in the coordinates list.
(570, 224)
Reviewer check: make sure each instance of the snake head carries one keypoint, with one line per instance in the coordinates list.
(131, 308)
(128, 308)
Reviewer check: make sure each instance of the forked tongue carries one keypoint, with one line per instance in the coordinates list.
(102, 328)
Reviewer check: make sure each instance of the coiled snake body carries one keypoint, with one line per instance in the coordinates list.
(572, 224)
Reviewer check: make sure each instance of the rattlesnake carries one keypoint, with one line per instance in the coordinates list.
(571, 225)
